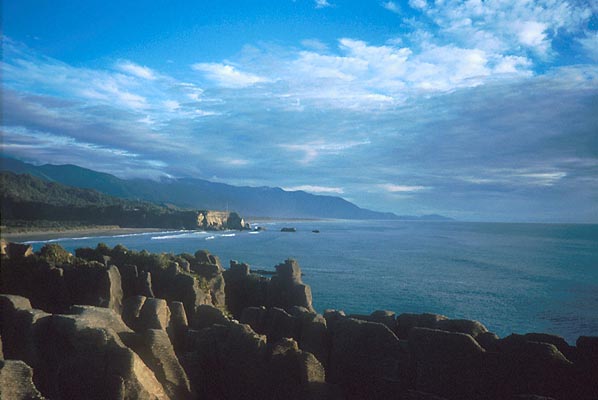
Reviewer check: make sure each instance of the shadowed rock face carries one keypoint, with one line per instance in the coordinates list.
(231, 361)
(447, 363)
(367, 359)
(284, 290)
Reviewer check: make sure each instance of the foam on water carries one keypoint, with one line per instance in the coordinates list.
(188, 234)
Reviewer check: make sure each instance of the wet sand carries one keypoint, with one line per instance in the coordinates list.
(74, 233)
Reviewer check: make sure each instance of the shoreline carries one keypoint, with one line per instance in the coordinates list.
(41, 235)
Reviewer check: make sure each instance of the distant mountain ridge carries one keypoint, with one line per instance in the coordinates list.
(203, 194)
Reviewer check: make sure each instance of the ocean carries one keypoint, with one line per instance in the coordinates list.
(512, 277)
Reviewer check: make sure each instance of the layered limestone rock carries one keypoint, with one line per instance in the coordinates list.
(220, 220)
(231, 361)
(54, 285)
(307, 328)
(16, 381)
(89, 353)
(193, 280)
(447, 363)
(284, 290)
(367, 360)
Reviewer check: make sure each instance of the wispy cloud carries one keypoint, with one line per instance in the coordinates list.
(315, 189)
(315, 149)
(589, 43)
(390, 187)
(228, 76)
(136, 70)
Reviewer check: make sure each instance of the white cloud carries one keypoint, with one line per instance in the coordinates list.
(314, 149)
(389, 187)
(532, 34)
(418, 4)
(590, 44)
(322, 4)
(136, 70)
(511, 27)
(171, 105)
(517, 176)
(314, 44)
(512, 64)
(234, 162)
(315, 189)
(391, 6)
(228, 76)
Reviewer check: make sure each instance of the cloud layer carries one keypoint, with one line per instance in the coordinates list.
(477, 110)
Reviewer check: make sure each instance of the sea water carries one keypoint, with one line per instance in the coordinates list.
(512, 277)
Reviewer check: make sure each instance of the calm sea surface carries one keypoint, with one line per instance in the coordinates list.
(512, 277)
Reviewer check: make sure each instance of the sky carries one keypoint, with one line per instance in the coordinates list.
(477, 110)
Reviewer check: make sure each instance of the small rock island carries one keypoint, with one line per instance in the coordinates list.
(111, 323)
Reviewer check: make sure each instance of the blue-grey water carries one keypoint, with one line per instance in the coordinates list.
(512, 277)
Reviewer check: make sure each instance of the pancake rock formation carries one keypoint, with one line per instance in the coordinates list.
(111, 323)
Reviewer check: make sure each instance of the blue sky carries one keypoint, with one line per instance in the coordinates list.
(479, 110)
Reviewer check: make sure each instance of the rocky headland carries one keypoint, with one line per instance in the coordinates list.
(111, 323)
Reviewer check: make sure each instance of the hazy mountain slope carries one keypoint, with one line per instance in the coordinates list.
(202, 194)
(197, 193)
(27, 198)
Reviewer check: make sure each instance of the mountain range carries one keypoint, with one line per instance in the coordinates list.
(203, 194)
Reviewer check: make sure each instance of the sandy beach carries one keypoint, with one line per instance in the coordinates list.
(74, 233)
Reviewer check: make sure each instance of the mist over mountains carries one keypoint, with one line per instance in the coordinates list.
(203, 194)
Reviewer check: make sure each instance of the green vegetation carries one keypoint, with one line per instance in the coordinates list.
(29, 203)
(55, 253)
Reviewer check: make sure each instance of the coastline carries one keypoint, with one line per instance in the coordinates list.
(108, 230)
